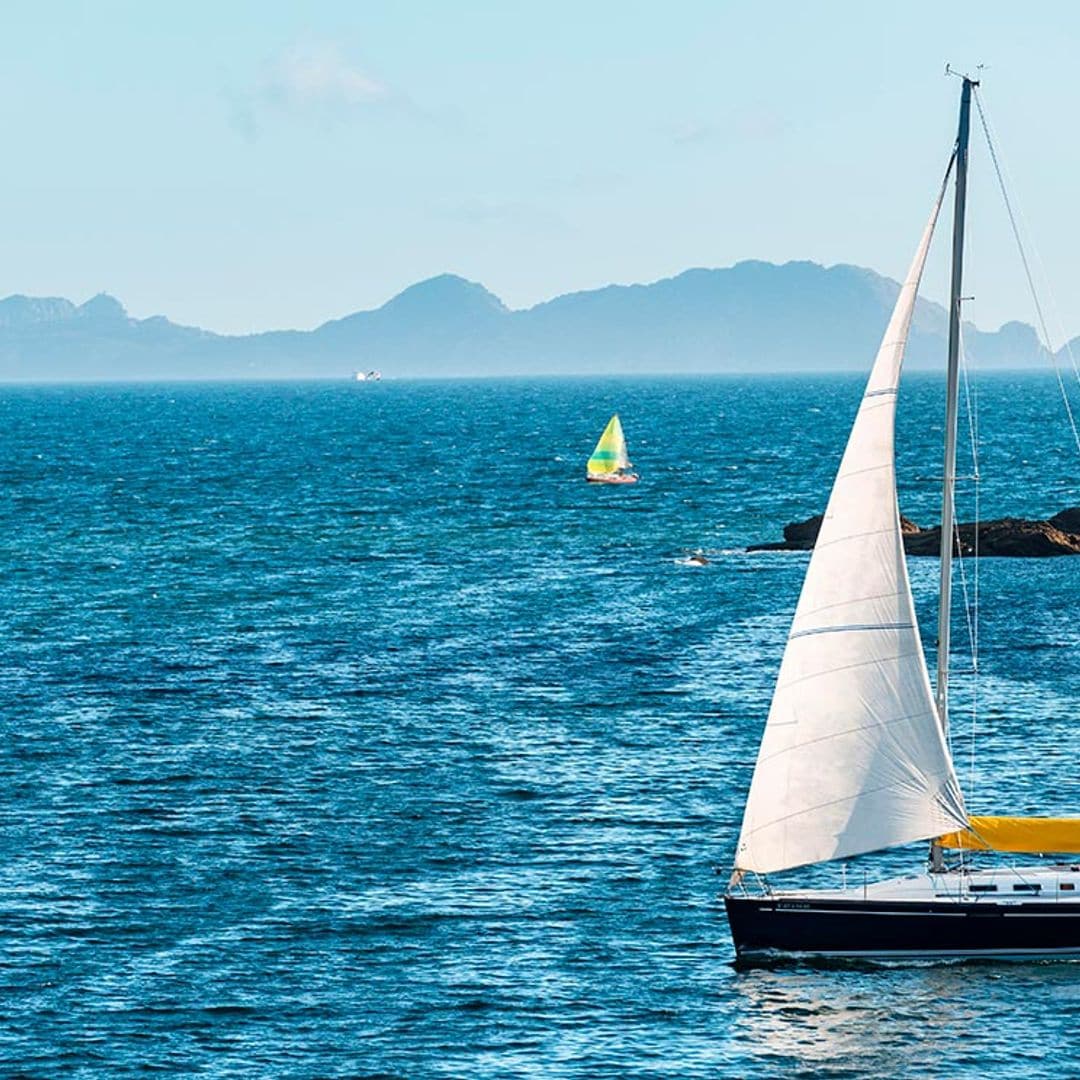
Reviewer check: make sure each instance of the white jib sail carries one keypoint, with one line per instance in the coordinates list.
(853, 758)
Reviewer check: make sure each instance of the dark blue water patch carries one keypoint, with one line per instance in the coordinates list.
(348, 732)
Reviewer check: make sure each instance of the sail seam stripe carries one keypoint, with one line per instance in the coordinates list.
(848, 473)
(893, 594)
(842, 734)
(803, 811)
(855, 536)
(851, 626)
(881, 393)
(876, 662)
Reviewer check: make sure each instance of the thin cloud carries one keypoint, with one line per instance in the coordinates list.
(311, 77)
(320, 74)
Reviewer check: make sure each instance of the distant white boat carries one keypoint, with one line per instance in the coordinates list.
(367, 376)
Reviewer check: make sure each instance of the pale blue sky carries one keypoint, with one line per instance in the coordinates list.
(250, 165)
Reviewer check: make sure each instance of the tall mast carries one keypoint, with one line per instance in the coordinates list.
(951, 407)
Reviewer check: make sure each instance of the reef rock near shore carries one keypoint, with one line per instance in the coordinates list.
(1009, 537)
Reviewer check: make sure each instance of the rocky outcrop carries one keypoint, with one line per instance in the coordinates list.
(1068, 521)
(1008, 537)
(802, 535)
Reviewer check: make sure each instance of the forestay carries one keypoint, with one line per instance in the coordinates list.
(853, 758)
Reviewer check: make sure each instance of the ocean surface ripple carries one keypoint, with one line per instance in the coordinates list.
(348, 732)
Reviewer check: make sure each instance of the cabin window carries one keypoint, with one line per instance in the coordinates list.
(983, 888)
(1067, 886)
(1026, 887)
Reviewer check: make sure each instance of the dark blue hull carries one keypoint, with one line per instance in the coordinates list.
(766, 928)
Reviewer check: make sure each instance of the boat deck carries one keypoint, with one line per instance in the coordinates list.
(1060, 881)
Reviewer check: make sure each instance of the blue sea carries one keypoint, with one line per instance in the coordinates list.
(347, 732)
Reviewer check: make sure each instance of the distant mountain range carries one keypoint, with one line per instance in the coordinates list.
(754, 316)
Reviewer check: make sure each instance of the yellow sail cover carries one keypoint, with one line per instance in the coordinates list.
(610, 453)
(1058, 836)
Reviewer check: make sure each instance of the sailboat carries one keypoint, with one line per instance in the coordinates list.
(609, 463)
(855, 753)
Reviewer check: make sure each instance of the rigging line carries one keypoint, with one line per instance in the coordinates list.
(1046, 343)
(971, 614)
(972, 405)
(964, 593)
(964, 587)
(956, 526)
(988, 127)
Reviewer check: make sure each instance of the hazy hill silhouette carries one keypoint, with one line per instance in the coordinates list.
(754, 316)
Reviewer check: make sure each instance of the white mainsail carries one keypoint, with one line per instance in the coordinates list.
(853, 758)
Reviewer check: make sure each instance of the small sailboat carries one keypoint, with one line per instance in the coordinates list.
(609, 463)
(855, 755)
